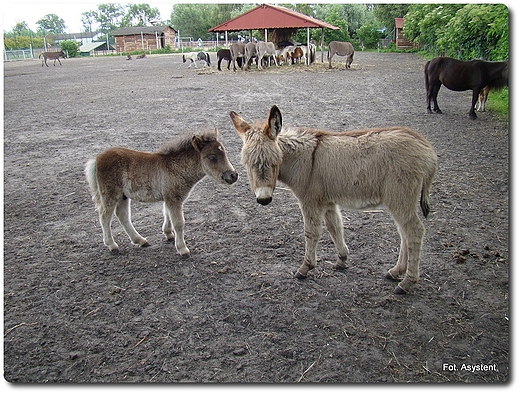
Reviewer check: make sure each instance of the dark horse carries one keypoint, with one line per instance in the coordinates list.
(461, 75)
(225, 54)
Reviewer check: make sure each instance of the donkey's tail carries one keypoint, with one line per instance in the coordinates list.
(90, 174)
(425, 195)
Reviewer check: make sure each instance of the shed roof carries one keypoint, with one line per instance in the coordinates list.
(399, 23)
(267, 16)
(92, 46)
(128, 31)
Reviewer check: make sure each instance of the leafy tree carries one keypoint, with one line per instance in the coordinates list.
(52, 23)
(191, 20)
(369, 35)
(386, 14)
(139, 15)
(88, 18)
(424, 22)
(475, 31)
(109, 17)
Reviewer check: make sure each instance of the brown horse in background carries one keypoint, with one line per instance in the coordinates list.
(119, 174)
(391, 166)
(460, 75)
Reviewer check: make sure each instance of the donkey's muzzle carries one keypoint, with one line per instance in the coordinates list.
(264, 201)
(230, 177)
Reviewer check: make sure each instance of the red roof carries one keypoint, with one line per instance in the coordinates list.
(267, 16)
(399, 23)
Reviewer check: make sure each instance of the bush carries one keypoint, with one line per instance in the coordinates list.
(70, 47)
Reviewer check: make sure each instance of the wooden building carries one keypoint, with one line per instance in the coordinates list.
(400, 40)
(145, 38)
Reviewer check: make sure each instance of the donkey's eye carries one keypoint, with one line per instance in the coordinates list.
(212, 158)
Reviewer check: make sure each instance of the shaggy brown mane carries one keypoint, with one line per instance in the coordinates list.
(183, 143)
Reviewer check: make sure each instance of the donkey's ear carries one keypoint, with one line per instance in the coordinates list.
(240, 124)
(274, 123)
(198, 143)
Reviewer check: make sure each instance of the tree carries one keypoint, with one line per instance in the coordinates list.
(476, 31)
(191, 20)
(139, 15)
(109, 17)
(52, 23)
(87, 19)
(386, 14)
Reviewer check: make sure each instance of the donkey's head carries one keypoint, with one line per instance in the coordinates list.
(261, 154)
(214, 160)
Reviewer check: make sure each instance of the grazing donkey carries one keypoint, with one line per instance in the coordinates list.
(237, 50)
(53, 56)
(341, 49)
(265, 49)
(119, 174)
(358, 169)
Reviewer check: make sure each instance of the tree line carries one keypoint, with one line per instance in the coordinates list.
(464, 31)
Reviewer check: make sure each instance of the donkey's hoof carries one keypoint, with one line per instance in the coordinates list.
(399, 290)
(114, 252)
(338, 267)
(145, 245)
(297, 275)
(390, 277)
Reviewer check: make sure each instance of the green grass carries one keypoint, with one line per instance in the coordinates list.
(498, 101)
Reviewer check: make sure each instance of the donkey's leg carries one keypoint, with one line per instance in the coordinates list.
(123, 213)
(313, 222)
(412, 230)
(402, 262)
(334, 224)
(176, 215)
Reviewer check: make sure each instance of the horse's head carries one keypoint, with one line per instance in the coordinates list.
(261, 154)
(62, 54)
(215, 162)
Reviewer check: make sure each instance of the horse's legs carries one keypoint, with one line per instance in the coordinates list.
(105, 219)
(432, 96)
(412, 232)
(59, 61)
(330, 59)
(123, 214)
(312, 221)
(167, 224)
(474, 100)
(334, 224)
(173, 212)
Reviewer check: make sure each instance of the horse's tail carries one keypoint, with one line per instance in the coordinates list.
(90, 174)
(426, 78)
(40, 56)
(208, 58)
(328, 53)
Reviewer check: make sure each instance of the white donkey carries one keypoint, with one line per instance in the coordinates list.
(359, 169)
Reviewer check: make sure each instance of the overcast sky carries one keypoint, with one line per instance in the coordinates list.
(70, 11)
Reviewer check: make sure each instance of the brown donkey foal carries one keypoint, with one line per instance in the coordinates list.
(118, 175)
(358, 169)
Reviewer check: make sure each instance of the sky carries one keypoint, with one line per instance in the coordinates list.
(70, 11)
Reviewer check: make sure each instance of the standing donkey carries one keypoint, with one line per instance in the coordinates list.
(359, 170)
(341, 49)
(119, 174)
(53, 56)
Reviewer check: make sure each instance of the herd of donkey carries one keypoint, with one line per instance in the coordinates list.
(392, 167)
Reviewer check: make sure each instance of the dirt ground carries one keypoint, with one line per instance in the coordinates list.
(233, 312)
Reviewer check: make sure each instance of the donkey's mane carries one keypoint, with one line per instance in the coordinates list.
(184, 143)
